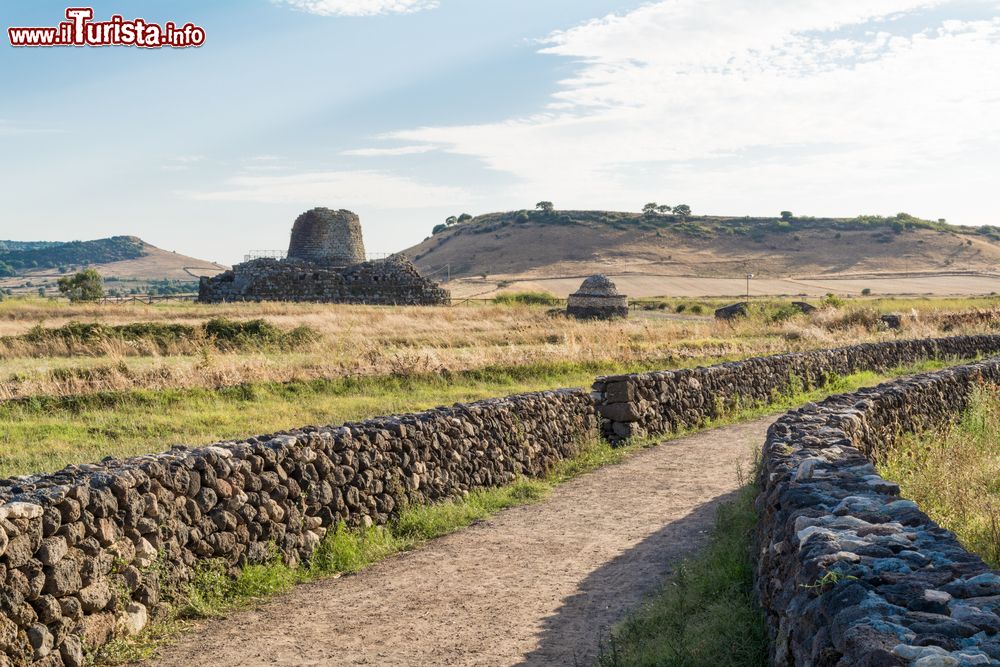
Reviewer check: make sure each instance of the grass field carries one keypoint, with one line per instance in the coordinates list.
(51, 348)
(87, 381)
(952, 474)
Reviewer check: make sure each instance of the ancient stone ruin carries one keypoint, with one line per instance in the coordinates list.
(324, 236)
(598, 299)
(326, 263)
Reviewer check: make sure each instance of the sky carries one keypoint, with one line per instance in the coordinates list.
(408, 111)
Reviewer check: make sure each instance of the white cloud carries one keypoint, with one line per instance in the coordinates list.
(691, 92)
(384, 152)
(334, 188)
(359, 7)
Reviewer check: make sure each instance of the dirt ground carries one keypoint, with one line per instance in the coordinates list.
(534, 585)
(638, 285)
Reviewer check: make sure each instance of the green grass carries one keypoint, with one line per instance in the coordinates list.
(44, 433)
(527, 298)
(954, 474)
(706, 615)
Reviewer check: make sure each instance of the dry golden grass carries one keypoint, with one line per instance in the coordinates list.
(952, 474)
(369, 340)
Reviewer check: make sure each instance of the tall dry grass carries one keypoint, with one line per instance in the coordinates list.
(953, 474)
(368, 340)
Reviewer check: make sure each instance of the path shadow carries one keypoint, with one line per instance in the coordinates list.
(572, 635)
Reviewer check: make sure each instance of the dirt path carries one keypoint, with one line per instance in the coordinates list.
(534, 585)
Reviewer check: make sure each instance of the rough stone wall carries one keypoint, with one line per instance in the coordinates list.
(86, 552)
(587, 307)
(850, 574)
(327, 237)
(665, 401)
(393, 281)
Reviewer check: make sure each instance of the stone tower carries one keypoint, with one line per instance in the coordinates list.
(327, 237)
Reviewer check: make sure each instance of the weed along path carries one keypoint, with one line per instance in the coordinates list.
(533, 585)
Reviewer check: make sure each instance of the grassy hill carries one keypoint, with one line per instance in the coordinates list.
(136, 266)
(534, 245)
(16, 257)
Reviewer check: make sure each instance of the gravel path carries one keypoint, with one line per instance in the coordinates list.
(533, 585)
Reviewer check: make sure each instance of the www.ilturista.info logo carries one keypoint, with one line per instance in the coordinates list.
(80, 30)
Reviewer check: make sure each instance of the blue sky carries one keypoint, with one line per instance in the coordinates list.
(407, 111)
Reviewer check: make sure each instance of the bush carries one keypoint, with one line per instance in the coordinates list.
(526, 299)
(87, 285)
(831, 300)
(866, 291)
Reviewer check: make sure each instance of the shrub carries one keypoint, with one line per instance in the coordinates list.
(87, 285)
(832, 300)
(866, 291)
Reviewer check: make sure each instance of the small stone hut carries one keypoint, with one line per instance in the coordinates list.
(597, 298)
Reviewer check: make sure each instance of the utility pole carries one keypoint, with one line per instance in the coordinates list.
(749, 276)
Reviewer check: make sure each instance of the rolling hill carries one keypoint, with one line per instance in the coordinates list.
(119, 258)
(653, 255)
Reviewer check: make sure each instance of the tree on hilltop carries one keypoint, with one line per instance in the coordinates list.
(650, 209)
(545, 207)
(682, 211)
(786, 215)
(464, 217)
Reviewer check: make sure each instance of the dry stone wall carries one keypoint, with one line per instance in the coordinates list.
(665, 401)
(850, 574)
(394, 281)
(87, 552)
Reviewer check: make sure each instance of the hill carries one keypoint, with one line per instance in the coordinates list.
(126, 259)
(710, 255)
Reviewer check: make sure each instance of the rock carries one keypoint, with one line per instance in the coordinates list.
(733, 311)
(41, 640)
(71, 651)
(96, 596)
(52, 550)
(63, 578)
(134, 619)
(20, 510)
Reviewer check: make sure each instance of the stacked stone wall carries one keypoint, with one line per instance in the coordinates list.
(394, 281)
(87, 552)
(849, 573)
(665, 401)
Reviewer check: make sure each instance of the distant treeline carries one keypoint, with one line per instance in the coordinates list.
(16, 256)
